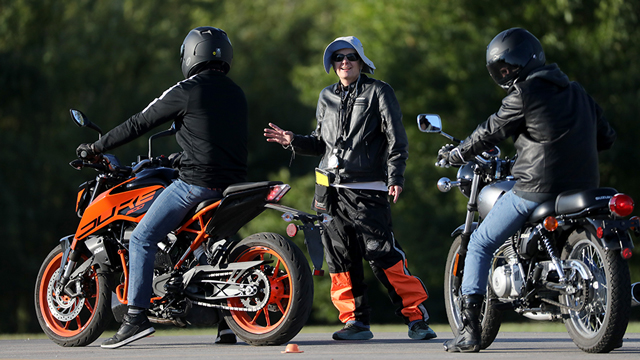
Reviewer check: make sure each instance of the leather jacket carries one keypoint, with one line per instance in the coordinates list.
(362, 127)
(211, 116)
(557, 128)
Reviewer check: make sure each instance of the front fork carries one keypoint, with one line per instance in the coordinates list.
(469, 227)
(67, 264)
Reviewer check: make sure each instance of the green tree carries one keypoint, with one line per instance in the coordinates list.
(111, 58)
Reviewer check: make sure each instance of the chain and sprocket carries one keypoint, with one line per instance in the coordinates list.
(250, 286)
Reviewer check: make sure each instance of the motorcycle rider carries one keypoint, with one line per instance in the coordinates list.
(364, 147)
(558, 131)
(211, 118)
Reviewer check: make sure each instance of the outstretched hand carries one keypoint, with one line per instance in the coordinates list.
(275, 134)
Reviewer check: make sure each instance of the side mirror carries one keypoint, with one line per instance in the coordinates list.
(81, 120)
(170, 131)
(430, 123)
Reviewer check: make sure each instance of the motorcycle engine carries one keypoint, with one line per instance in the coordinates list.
(507, 281)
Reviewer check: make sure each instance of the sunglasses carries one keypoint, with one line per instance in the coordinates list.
(340, 57)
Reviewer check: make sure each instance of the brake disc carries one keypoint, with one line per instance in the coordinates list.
(62, 306)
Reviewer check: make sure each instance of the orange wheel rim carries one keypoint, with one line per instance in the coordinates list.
(72, 315)
(278, 305)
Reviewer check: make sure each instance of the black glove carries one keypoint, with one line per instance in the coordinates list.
(174, 159)
(450, 155)
(86, 152)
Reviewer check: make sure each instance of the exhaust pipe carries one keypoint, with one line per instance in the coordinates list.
(635, 294)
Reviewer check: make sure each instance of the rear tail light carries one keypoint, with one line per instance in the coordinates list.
(626, 253)
(621, 205)
(277, 192)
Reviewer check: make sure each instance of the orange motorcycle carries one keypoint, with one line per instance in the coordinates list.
(261, 285)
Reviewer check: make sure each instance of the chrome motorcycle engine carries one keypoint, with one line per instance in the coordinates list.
(506, 279)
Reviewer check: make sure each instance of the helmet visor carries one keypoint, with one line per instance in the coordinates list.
(503, 72)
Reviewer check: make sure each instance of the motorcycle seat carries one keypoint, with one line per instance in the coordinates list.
(248, 186)
(542, 211)
(574, 201)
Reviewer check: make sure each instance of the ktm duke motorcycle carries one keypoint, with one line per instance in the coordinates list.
(262, 285)
(567, 262)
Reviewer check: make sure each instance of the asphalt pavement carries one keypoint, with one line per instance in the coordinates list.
(385, 345)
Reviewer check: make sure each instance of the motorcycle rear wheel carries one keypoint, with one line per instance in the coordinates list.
(68, 321)
(601, 325)
(490, 318)
(290, 295)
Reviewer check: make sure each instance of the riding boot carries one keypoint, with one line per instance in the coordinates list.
(468, 338)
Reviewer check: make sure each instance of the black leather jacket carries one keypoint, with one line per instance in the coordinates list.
(557, 129)
(364, 131)
(211, 116)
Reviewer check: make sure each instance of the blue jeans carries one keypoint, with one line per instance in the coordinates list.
(164, 215)
(508, 215)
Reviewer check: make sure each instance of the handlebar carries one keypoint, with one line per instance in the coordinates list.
(107, 163)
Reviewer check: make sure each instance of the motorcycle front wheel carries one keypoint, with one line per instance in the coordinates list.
(599, 326)
(490, 318)
(71, 321)
(286, 308)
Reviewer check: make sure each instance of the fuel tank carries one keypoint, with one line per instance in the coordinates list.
(490, 194)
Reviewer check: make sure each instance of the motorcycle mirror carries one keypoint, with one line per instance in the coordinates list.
(168, 132)
(81, 120)
(429, 123)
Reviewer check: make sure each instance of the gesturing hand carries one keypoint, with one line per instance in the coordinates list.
(275, 134)
(395, 191)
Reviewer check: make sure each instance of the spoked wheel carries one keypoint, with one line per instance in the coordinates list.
(71, 321)
(490, 318)
(282, 304)
(601, 321)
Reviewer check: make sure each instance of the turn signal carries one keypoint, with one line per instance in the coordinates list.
(550, 223)
(621, 205)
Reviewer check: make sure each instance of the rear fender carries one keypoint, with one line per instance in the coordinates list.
(312, 237)
(615, 232)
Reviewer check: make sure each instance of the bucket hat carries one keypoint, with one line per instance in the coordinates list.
(347, 42)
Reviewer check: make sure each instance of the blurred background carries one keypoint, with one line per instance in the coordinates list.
(110, 58)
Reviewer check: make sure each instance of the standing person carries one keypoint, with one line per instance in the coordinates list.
(363, 145)
(557, 129)
(211, 118)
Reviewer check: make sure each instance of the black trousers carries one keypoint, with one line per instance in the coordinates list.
(362, 229)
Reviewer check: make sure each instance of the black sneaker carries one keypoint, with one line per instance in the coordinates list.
(353, 332)
(225, 335)
(421, 331)
(134, 327)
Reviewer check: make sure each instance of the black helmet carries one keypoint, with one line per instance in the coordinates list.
(512, 54)
(203, 45)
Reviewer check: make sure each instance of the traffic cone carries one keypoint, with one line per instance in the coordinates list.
(292, 348)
